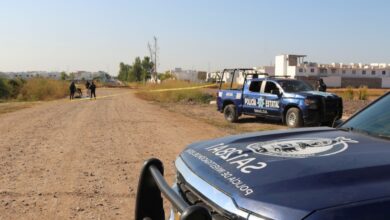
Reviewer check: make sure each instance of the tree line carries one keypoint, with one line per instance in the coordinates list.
(139, 71)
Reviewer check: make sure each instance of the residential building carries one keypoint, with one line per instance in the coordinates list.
(189, 75)
(374, 75)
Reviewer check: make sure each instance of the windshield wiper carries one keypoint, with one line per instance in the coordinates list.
(381, 136)
(345, 128)
(355, 130)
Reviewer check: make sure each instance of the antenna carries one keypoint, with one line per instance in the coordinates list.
(153, 51)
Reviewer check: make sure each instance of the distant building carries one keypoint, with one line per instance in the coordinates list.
(32, 74)
(293, 65)
(334, 74)
(78, 76)
(189, 75)
(3, 75)
(213, 76)
(83, 75)
(86, 75)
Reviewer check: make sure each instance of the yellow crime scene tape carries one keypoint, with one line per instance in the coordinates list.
(99, 97)
(184, 88)
(156, 90)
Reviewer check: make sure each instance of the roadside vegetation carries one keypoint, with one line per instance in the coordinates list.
(362, 93)
(139, 71)
(173, 91)
(36, 89)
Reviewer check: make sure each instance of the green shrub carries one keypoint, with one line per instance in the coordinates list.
(16, 85)
(5, 89)
(348, 93)
(363, 93)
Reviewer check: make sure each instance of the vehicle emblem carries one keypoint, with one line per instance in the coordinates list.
(302, 147)
(260, 102)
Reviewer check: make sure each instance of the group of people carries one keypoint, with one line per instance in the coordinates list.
(91, 88)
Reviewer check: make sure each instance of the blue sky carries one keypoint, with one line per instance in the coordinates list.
(204, 34)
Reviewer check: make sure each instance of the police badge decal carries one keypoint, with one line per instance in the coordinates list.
(301, 147)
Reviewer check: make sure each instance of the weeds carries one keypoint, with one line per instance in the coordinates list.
(348, 94)
(186, 96)
(363, 93)
(370, 93)
(32, 90)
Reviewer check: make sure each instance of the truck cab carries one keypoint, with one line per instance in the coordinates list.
(290, 100)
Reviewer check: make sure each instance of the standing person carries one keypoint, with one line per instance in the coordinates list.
(87, 87)
(92, 87)
(72, 89)
(321, 86)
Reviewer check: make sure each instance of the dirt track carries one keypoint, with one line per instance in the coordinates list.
(81, 159)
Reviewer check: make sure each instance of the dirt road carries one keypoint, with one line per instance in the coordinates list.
(81, 159)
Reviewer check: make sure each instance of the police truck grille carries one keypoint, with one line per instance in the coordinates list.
(331, 108)
(193, 199)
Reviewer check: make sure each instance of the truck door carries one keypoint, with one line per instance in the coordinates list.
(251, 96)
(271, 98)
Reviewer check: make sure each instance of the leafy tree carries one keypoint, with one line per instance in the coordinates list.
(71, 76)
(136, 71)
(166, 75)
(125, 72)
(5, 89)
(64, 76)
(139, 71)
(147, 67)
(16, 85)
(122, 75)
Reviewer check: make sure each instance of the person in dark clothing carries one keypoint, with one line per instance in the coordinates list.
(92, 87)
(321, 86)
(87, 87)
(72, 89)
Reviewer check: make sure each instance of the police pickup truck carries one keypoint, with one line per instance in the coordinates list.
(292, 101)
(304, 173)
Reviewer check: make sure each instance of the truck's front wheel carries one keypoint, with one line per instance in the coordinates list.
(230, 113)
(294, 118)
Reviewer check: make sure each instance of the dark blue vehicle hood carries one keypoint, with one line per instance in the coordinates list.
(317, 94)
(291, 173)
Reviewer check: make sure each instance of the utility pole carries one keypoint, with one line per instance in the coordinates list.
(153, 51)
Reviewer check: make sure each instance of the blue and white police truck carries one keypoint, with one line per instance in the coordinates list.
(315, 173)
(293, 101)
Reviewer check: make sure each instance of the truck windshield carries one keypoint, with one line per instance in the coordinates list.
(292, 86)
(374, 120)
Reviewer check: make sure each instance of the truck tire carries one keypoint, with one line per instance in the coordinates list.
(293, 118)
(230, 113)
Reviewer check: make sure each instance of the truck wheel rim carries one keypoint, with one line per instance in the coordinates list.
(292, 118)
(228, 114)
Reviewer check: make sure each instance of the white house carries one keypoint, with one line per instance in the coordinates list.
(186, 75)
(334, 74)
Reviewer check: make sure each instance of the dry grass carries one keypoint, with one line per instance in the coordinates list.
(209, 114)
(187, 95)
(14, 106)
(168, 84)
(43, 90)
(370, 92)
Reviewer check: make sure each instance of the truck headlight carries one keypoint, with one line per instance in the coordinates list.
(311, 103)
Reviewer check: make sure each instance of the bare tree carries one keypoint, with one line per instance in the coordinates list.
(153, 50)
